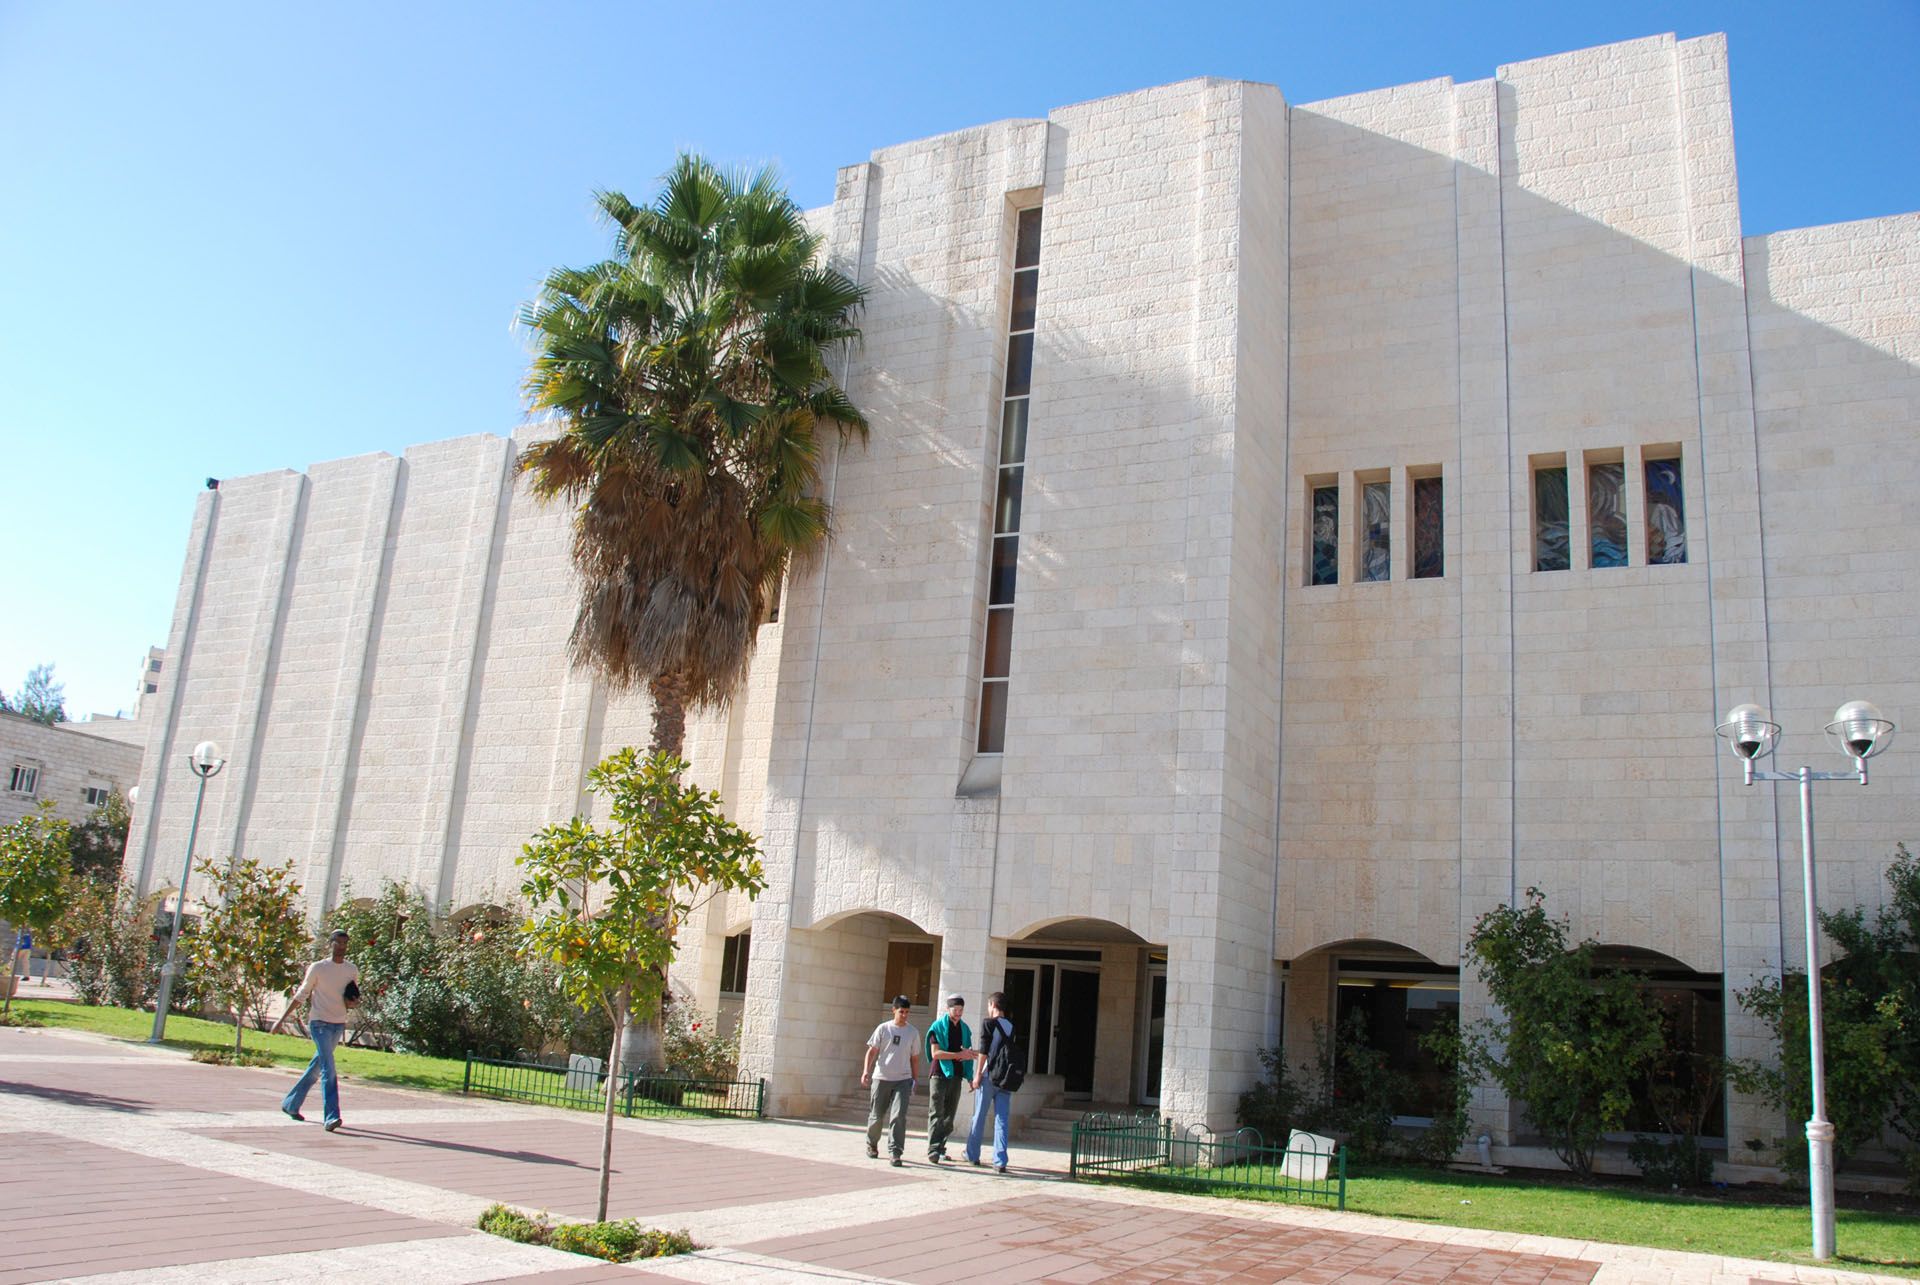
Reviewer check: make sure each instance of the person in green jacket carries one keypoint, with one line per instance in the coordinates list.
(950, 1065)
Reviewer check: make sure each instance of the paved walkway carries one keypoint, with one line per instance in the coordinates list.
(122, 1163)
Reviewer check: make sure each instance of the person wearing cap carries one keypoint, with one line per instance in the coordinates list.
(949, 1066)
(892, 1065)
(331, 986)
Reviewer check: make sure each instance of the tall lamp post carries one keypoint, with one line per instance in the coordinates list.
(205, 762)
(1859, 731)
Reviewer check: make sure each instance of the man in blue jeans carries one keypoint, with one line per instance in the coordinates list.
(994, 1032)
(325, 987)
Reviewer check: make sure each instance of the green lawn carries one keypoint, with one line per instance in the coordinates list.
(1621, 1214)
(370, 1065)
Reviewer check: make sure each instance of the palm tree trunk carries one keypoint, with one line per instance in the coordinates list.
(645, 1046)
(669, 693)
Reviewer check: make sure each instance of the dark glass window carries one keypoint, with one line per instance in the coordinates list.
(1607, 514)
(1326, 536)
(1026, 292)
(999, 642)
(1666, 514)
(1026, 252)
(1429, 529)
(1376, 518)
(1551, 548)
(1006, 505)
(1006, 565)
(993, 717)
(1013, 432)
(733, 964)
(1020, 365)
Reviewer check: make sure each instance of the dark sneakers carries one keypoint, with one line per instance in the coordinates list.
(897, 1162)
(873, 1152)
(294, 1115)
(332, 1126)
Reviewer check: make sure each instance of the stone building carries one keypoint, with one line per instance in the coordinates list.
(65, 763)
(1288, 532)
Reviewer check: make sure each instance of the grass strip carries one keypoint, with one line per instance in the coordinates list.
(1741, 1224)
(191, 1034)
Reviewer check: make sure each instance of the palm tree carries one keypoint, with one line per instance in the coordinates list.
(688, 378)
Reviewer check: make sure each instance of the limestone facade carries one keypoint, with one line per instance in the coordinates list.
(1227, 793)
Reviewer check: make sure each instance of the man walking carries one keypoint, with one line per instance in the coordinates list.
(331, 985)
(892, 1065)
(950, 1065)
(996, 1033)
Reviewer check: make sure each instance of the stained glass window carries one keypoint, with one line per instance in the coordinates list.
(1666, 514)
(1429, 529)
(1607, 514)
(1376, 517)
(1551, 549)
(1326, 536)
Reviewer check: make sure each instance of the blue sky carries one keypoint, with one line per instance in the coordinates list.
(236, 238)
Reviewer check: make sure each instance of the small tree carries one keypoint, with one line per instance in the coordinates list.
(251, 944)
(108, 928)
(607, 904)
(99, 844)
(1571, 1041)
(1870, 1001)
(34, 887)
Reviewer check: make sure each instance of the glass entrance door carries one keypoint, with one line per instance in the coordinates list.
(1153, 1026)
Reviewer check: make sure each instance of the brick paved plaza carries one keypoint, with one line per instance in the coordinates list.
(122, 1163)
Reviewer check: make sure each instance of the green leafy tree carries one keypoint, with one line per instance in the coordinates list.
(111, 948)
(99, 844)
(1870, 1008)
(688, 378)
(1571, 1040)
(252, 944)
(607, 904)
(40, 699)
(34, 883)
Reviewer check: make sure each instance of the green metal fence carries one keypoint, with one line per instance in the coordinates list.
(1148, 1150)
(640, 1093)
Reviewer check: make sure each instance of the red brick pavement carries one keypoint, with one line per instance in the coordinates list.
(554, 1164)
(180, 1086)
(73, 1208)
(1048, 1238)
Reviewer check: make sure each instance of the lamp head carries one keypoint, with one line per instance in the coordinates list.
(1749, 731)
(1860, 730)
(205, 759)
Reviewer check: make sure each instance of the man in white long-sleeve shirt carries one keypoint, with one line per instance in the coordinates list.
(325, 987)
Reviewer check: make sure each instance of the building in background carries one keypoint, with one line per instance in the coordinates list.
(66, 763)
(1288, 532)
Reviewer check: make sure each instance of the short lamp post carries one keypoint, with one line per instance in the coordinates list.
(1859, 731)
(205, 762)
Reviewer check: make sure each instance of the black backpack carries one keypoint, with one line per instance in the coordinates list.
(1007, 1062)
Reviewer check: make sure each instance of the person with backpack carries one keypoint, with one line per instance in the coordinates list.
(950, 1062)
(1002, 1069)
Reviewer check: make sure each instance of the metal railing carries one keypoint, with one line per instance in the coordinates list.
(640, 1093)
(1148, 1150)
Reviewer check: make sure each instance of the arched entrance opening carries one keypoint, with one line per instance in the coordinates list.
(1379, 995)
(1684, 1092)
(1089, 998)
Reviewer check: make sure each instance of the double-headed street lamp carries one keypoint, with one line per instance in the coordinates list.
(1859, 731)
(205, 762)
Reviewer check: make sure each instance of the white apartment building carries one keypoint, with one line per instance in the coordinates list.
(1288, 532)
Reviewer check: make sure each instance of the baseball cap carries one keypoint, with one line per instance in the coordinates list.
(338, 934)
(956, 999)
